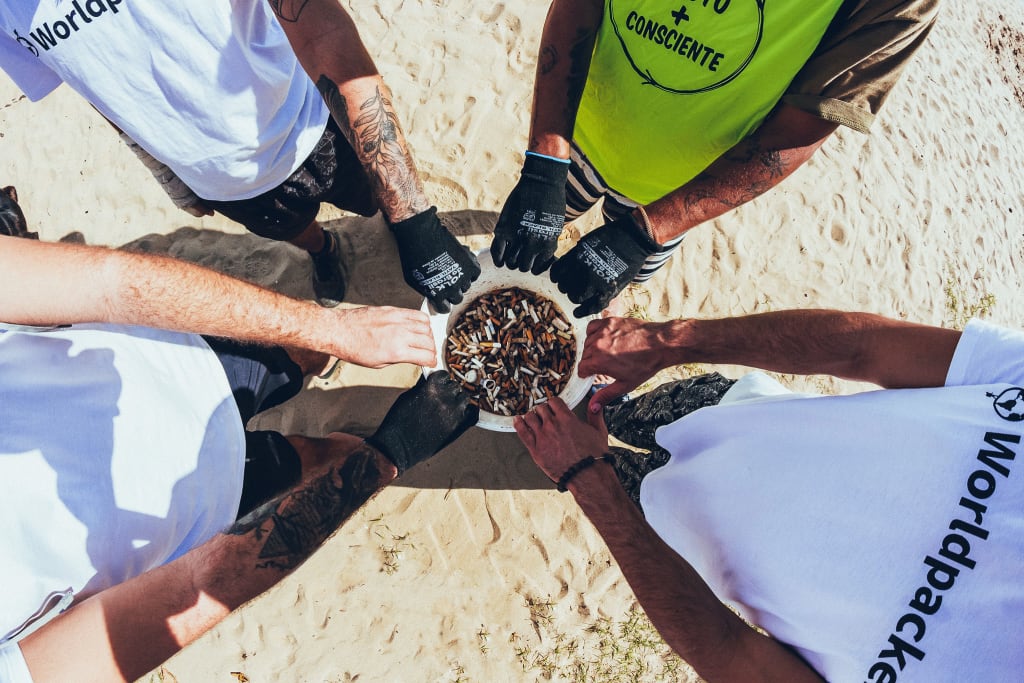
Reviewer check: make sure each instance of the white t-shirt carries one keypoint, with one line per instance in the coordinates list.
(210, 88)
(880, 534)
(121, 448)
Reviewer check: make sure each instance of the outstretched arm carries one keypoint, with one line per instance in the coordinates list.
(45, 284)
(857, 346)
(694, 623)
(759, 162)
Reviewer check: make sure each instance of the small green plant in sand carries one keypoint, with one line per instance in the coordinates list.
(394, 546)
(638, 300)
(483, 640)
(960, 309)
(458, 673)
(625, 650)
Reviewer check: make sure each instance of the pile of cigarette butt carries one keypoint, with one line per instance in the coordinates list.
(511, 349)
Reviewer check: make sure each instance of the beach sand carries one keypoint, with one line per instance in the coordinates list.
(472, 567)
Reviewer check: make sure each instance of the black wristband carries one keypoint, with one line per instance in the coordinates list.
(563, 481)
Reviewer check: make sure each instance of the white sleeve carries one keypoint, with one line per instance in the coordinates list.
(28, 72)
(13, 668)
(987, 354)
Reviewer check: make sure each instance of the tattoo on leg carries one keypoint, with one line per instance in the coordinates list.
(292, 526)
(375, 137)
(288, 10)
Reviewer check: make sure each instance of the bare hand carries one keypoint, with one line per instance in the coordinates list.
(629, 350)
(557, 439)
(375, 336)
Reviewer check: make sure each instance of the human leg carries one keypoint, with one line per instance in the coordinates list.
(261, 377)
(584, 186)
(332, 173)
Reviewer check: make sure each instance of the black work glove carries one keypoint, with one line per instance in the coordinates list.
(602, 263)
(531, 220)
(423, 420)
(433, 261)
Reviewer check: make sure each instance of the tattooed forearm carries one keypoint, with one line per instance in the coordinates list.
(745, 172)
(751, 151)
(376, 136)
(288, 10)
(292, 526)
(702, 189)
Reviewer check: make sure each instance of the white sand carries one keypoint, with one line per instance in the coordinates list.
(472, 568)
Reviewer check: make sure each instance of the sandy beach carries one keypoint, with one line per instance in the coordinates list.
(472, 567)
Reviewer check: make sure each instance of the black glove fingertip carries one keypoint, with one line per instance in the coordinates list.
(557, 268)
(441, 306)
(512, 257)
(540, 265)
(498, 247)
(582, 311)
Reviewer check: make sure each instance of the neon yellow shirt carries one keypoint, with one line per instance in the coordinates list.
(673, 85)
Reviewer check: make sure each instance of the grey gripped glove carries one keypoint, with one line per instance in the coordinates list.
(423, 420)
(434, 263)
(602, 263)
(180, 193)
(526, 235)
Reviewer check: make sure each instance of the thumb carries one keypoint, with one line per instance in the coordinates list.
(606, 395)
(596, 420)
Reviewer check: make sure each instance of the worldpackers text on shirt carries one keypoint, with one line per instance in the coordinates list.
(954, 556)
(49, 33)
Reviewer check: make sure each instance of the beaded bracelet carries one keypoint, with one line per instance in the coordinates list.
(583, 464)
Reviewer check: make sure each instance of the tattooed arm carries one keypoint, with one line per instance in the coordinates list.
(126, 631)
(787, 139)
(566, 46)
(328, 46)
